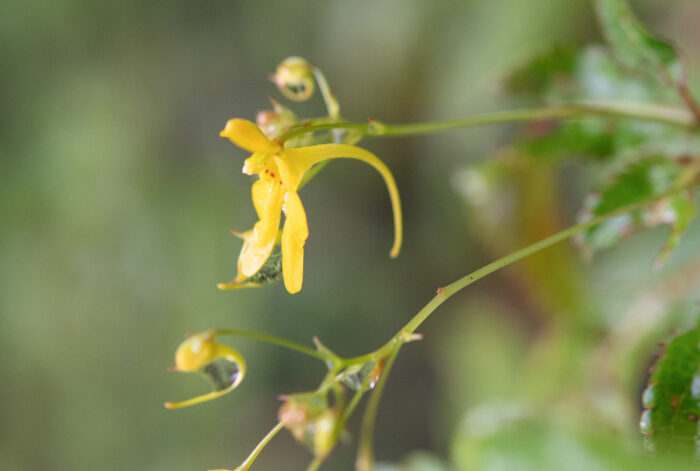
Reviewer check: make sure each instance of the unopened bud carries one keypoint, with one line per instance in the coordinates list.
(310, 421)
(275, 122)
(222, 365)
(294, 78)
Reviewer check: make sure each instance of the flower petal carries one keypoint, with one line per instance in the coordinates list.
(259, 192)
(248, 136)
(294, 237)
(299, 160)
(258, 247)
(292, 166)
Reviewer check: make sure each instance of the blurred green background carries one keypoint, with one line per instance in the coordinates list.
(118, 194)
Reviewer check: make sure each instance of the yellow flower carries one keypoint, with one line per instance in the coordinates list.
(281, 171)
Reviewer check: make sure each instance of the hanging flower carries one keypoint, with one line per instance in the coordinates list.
(280, 171)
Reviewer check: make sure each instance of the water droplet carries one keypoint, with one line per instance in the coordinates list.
(695, 387)
(645, 422)
(649, 397)
(222, 373)
(354, 376)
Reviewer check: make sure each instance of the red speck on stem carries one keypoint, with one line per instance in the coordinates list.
(439, 290)
(377, 373)
(371, 120)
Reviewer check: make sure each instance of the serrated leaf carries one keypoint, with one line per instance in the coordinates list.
(634, 46)
(682, 211)
(592, 74)
(589, 74)
(643, 179)
(549, 72)
(672, 399)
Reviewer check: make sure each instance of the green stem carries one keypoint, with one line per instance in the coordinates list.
(315, 464)
(263, 443)
(446, 292)
(365, 456)
(280, 342)
(641, 111)
(332, 105)
(347, 413)
(365, 453)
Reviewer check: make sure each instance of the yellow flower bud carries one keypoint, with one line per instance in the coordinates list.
(222, 365)
(275, 122)
(310, 421)
(294, 78)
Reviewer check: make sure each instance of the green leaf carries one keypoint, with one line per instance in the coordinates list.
(643, 179)
(546, 73)
(498, 437)
(562, 75)
(590, 74)
(672, 399)
(634, 46)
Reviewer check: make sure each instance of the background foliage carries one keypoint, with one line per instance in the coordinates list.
(117, 197)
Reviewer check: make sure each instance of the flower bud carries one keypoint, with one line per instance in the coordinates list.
(275, 122)
(310, 421)
(222, 365)
(294, 78)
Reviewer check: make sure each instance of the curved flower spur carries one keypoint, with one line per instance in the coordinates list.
(280, 171)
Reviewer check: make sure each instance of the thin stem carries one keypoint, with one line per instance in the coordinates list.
(449, 290)
(263, 443)
(687, 96)
(365, 453)
(332, 105)
(315, 464)
(272, 339)
(347, 413)
(365, 456)
(659, 114)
